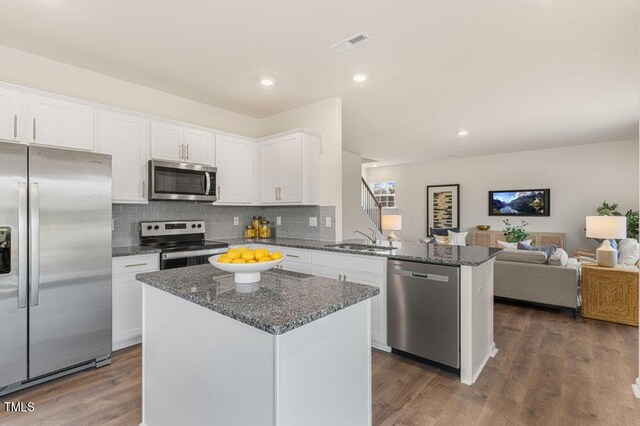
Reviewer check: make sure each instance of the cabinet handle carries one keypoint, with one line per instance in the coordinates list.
(344, 278)
(188, 151)
(144, 188)
(181, 151)
(135, 264)
(293, 255)
(340, 277)
(34, 129)
(280, 193)
(219, 197)
(276, 192)
(15, 126)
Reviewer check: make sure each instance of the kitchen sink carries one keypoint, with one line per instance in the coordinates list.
(359, 247)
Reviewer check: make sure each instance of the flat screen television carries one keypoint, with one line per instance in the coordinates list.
(520, 202)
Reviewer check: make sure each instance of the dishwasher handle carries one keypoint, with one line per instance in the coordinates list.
(422, 276)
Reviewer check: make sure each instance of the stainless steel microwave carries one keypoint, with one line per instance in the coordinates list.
(172, 180)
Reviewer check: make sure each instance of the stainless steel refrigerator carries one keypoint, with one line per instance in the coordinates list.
(55, 263)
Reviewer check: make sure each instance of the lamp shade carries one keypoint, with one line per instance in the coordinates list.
(392, 222)
(607, 227)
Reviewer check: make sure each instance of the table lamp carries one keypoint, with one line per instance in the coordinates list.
(391, 222)
(606, 228)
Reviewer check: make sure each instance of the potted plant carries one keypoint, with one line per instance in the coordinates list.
(606, 209)
(515, 233)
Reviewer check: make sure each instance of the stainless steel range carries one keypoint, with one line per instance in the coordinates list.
(182, 243)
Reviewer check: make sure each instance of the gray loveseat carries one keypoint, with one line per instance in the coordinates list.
(532, 277)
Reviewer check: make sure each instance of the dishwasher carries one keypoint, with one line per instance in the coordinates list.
(423, 311)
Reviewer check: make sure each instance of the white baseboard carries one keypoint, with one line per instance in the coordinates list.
(381, 347)
(636, 388)
(493, 351)
(125, 343)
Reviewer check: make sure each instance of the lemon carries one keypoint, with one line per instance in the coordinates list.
(239, 261)
(276, 255)
(264, 259)
(242, 250)
(252, 261)
(224, 259)
(260, 253)
(233, 255)
(248, 255)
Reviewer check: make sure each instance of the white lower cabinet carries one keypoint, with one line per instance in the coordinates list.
(361, 270)
(127, 297)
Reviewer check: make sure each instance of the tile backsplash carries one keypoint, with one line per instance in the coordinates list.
(219, 219)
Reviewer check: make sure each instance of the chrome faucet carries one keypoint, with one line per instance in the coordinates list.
(372, 238)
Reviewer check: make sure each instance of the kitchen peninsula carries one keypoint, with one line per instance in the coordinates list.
(296, 351)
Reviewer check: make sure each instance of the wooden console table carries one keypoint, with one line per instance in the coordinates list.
(610, 294)
(490, 238)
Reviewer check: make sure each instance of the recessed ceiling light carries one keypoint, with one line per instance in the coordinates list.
(267, 82)
(359, 77)
(374, 165)
(452, 156)
(463, 132)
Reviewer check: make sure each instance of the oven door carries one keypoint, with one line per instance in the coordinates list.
(171, 180)
(172, 260)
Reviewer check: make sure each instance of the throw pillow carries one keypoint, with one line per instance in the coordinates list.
(628, 251)
(512, 246)
(548, 249)
(440, 239)
(442, 231)
(458, 238)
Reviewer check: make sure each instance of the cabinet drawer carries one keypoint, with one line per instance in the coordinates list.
(303, 268)
(366, 264)
(136, 263)
(292, 254)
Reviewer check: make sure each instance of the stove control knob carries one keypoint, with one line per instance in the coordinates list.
(156, 227)
(149, 227)
(199, 225)
(193, 225)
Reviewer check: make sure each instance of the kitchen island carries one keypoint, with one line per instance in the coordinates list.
(296, 351)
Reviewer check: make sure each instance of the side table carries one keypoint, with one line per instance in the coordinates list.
(610, 294)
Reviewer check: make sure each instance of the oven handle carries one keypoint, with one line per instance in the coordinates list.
(207, 189)
(192, 253)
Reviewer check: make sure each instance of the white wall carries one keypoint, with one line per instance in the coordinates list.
(353, 217)
(324, 117)
(37, 72)
(580, 178)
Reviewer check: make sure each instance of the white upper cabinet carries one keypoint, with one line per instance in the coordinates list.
(236, 163)
(181, 143)
(197, 144)
(290, 169)
(61, 123)
(9, 114)
(167, 141)
(126, 138)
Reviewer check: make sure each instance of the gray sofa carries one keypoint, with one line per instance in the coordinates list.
(532, 277)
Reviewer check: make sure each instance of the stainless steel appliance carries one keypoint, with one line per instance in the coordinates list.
(172, 180)
(182, 243)
(55, 272)
(423, 311)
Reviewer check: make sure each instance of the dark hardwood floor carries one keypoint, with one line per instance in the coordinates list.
(550, 369)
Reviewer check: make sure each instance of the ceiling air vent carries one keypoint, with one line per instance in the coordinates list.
(351, 42)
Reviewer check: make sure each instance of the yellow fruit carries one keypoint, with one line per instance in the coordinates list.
(276, 255)
(242, 250)
(248, 255)
(252, 261)
(239, 261)
(233, 255)
(224, 259)
(264, 259)
(260, 253)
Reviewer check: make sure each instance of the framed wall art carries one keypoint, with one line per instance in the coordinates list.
(443, 207)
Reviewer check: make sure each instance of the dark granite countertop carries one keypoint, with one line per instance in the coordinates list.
(132, 251)
(409, 251)
(285, 300)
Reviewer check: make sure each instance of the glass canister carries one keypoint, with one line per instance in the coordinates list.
(265, 229)
(255, 223)
(249, 232)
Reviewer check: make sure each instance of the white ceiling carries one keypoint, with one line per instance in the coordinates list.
(518, 74)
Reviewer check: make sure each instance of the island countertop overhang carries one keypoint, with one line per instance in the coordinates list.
(285, 300)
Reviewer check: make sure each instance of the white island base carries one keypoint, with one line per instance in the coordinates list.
(203, 368)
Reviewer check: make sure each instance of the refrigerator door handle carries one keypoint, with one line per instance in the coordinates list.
(23, 242)
(34, 207)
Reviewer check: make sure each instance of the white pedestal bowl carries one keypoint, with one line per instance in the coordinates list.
(246, 274)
